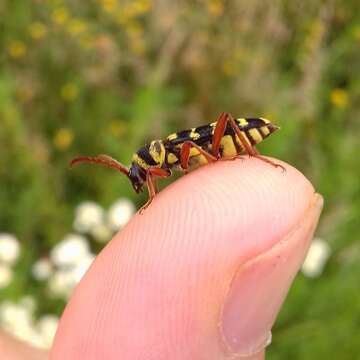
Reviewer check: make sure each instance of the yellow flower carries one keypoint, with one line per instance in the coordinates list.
(215, 7)
(356, 32)
(137, 46)
(108, 5)
(118, 128)
(339, 98)
(76, 26)
(122, 17)
(316, 28)
(63, 138)
(69, 91)
(229, 68)
(60, 15)
(132, 10)
(134, 29)
(141, 7)
(17, 49)
(37, 30)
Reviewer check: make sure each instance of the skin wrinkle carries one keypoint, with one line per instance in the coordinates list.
(316, 202)
(168, 251)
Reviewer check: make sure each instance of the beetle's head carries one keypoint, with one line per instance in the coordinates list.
(137, 177)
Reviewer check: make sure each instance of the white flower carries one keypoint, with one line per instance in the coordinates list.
(28, 303)
(70, 250)
(101, 233)
(9, 248)
(5, 276)
(316, 258)
(82, 266)
(18, 320)
(87, 216)
(42, 269)
(61, 283)
(15, 318)
(31, 336)
(120, 213)
(47, 326)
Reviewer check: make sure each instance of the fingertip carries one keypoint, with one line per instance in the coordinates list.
(241, 193)
(157, 290)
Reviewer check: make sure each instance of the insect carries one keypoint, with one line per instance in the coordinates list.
(227, 138)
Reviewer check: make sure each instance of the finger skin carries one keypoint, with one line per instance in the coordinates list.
(158, 289)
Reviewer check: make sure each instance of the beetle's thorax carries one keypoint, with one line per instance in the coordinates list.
(150, 155)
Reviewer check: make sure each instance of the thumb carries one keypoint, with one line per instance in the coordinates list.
(201, 274)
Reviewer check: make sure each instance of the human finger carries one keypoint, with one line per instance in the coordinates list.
(201, 274)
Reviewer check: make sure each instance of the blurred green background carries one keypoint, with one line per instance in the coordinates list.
(104, 76)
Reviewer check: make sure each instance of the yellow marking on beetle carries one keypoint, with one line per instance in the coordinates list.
(138, 160)
(172, 159)
(157, 151)
(245, 137)
(197, 161)
(240, 144)
(228, 147)
(172, 136)
(242, 122)
(265, 130)
(266, 121)
(194, 135)
(194, 152)
(213, 127)
(254, 133)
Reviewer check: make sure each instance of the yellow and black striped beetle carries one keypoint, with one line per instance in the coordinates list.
(227, 138)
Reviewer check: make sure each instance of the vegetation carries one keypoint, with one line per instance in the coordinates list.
(104, 76)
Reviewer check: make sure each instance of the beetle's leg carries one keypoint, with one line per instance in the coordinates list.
(151, 173)
(219, 131)
(185, 154)
(263, 158)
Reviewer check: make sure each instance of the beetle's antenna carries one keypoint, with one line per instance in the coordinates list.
(105, 160)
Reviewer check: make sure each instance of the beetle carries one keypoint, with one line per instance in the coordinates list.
(226, 138)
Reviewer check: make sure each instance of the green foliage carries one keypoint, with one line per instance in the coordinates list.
(89, 77)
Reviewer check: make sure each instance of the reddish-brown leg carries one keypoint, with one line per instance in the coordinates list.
(231, 158)
(151, 173)
(258, 156)
(221, 123)
(224, 118)
(185, 154)
(219, 132)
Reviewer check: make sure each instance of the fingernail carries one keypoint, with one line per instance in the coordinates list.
(260, 286)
